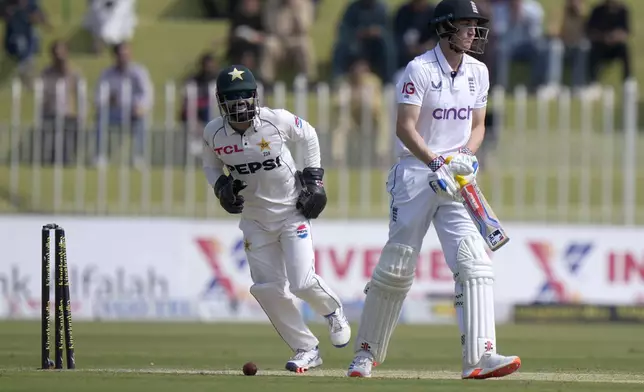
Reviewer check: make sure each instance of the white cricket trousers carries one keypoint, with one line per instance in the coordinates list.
(281, 255)
(415, 206)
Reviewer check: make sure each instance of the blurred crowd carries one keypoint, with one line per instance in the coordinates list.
(273, 34)
(275, 38)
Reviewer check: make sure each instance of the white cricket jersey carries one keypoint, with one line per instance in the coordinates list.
(261, 158)
(446, 98)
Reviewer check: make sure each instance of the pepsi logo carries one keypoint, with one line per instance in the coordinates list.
(302, 231)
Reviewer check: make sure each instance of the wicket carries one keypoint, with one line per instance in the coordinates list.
(62, 305)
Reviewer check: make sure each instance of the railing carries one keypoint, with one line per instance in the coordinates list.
(549, 158)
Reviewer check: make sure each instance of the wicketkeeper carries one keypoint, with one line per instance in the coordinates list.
(276, 202)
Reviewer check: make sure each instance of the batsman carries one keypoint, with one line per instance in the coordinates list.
(276, 203)
(442, 98)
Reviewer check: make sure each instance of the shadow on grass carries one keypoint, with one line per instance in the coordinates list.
(186, 9)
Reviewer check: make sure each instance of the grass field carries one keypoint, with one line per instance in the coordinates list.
(208, 357)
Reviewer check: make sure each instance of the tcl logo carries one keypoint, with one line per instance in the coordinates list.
(226, 150)
(409, 88)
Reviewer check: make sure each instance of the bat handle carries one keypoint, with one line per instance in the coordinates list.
(461, 180)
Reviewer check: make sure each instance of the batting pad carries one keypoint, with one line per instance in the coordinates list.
(319, 296)
(284, 315)
(391, 280)
(475, 299)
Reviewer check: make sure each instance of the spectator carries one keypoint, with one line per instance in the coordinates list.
(110, 21)
(569, 44)
(246, 34)
(248, 59)
(288, 27)
(215, 9)
(518, 33)
(21, 40)
(608, 31)
(364, 32)
(196, 109)
(316, 6)
(60, 87)
(113, 109)
(363, 112)
(410, 27)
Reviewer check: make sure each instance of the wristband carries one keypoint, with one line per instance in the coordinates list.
(436, 163)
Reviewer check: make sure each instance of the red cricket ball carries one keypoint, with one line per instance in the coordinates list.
(249, 369)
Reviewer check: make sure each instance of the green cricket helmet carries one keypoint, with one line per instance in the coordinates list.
(237, 94)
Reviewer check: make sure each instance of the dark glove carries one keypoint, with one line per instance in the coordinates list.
(227, 191)
(312, 199)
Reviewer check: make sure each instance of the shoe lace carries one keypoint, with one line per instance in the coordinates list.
(361, 360)
(299, 354)
(335, 321)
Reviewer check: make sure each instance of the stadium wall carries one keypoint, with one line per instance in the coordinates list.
(176, 269)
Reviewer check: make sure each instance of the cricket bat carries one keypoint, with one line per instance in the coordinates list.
(482, 215)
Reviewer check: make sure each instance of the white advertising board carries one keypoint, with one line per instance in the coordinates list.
(165, 269)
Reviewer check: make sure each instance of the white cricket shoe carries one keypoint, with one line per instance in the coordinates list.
(361, 365)
(492, 365)
(339, 329)
(304, 360)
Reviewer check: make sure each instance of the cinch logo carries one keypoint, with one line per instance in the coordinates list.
(253, 167)
(453, 113)
(228, 150)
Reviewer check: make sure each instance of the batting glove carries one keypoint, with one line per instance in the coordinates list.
(464, 163)
(442, 180)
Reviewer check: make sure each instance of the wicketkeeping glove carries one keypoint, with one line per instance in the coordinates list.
(312, 198)
(442, 181)
(227, 191)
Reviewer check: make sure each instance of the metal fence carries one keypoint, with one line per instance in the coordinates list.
(547, 157)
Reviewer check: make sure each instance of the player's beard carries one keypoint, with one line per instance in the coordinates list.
(241, 110)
